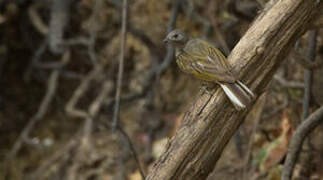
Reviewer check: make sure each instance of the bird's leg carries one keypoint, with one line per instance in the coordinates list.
(207, 87)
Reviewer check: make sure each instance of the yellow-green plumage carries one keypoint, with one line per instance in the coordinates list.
(202, 60)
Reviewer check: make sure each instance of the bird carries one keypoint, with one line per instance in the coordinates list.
(201, 59)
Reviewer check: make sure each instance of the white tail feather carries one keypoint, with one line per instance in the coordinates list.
(246, 89)
(234, 99)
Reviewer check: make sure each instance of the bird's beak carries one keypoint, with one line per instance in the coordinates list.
(165, 40)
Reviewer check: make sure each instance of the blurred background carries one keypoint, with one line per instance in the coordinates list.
(58, 79)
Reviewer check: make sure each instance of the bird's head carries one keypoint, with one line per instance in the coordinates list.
(177, 38)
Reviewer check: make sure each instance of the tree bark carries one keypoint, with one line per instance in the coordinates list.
(211, 121)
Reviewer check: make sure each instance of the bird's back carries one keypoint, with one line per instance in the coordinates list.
(205, 61)
(195, 46)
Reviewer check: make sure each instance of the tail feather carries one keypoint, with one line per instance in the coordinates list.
(239, 94)
(234, 99)
(246, 89)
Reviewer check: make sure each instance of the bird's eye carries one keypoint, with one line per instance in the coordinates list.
(176, 35)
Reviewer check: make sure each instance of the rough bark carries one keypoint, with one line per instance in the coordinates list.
(211, 121)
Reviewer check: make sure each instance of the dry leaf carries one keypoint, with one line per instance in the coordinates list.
(135, 176)
(159, 147)
(277, 149)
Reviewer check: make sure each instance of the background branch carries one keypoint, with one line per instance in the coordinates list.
(295, 145)
(121, 62)
(59, 19)
(42, 110)
(306, 159)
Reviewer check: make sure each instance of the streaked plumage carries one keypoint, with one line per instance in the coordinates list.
(201, 59)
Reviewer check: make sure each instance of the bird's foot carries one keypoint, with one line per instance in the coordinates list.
(207, 87)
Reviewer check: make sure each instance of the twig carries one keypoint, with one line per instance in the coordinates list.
(261, 3)
(219, 35)
(72, 75)
(35, 18)
(84, 133)
(39, 52)
(306, 100)
(89, 114)
(287, 83)
(58, 154)
(121, 62)
(170, 50)
(58, 21)
(307, 126)
(95, 106)
(35, 61)
(97, 103)
(93, 30)
(306, 63)
(143, 37)
(158, 69)
(257, 118)
(133, 150)
(155, 72)
(308, 74)
(191, 13)
(51, 89)
(275, 110)
(70, 106)
(77, 41)
(244, 14)
(94, 109)
(172, 21)
(306, 159)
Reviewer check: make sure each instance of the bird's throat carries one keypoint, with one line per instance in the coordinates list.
(178, 50)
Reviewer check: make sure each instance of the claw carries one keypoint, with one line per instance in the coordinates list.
(207, 87)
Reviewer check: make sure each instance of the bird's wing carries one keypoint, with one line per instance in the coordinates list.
(210, 61)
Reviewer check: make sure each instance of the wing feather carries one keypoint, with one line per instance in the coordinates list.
(204, 57)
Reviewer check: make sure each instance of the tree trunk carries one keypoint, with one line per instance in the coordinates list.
(211, 121)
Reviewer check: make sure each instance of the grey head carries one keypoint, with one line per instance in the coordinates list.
(177, 38)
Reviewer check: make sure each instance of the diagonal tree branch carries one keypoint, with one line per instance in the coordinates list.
(211, 121)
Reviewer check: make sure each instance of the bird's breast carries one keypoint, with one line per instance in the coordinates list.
(184, 64)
